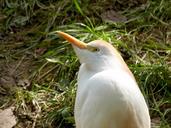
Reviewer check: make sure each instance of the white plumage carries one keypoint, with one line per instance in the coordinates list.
(107, 94)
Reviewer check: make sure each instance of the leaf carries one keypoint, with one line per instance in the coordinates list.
(20, 21)
(78, 7)
(7, 118)
(54, 60)
(113, 16)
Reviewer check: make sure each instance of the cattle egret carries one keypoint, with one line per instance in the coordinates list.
(107, 93)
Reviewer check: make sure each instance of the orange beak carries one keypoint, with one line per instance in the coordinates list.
(73, 40)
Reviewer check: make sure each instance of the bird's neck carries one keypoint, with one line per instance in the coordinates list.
(87, 70)
(92, 68)
(107, 63)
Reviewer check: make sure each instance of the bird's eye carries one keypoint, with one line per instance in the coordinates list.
(96, 49)
(93, 49)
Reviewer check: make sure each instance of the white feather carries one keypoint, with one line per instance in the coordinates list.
(107, 94)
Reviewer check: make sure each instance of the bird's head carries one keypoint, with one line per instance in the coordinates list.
(97, 54)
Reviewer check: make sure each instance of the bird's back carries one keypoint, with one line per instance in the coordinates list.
(110, 99)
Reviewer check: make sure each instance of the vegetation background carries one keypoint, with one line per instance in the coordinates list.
(38, 69)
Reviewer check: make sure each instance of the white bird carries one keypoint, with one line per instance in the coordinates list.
(107, 93)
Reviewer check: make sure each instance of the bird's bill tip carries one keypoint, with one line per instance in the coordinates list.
(72, 40)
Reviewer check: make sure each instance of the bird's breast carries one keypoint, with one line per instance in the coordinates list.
(107, 94)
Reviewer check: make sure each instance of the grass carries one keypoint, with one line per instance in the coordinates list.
(27, 36)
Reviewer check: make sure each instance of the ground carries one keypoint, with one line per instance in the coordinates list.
(38, 69)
